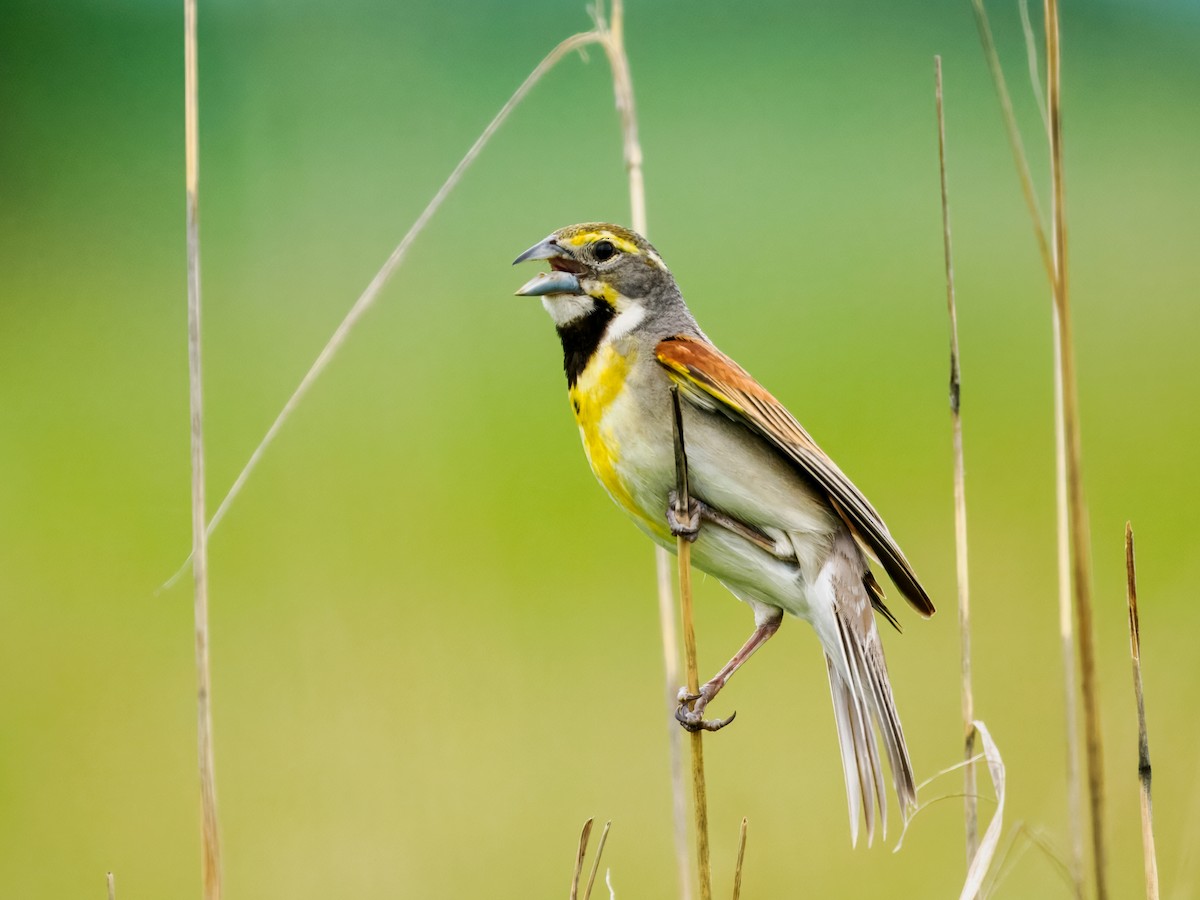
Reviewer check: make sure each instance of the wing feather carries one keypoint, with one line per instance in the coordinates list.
(695, 363)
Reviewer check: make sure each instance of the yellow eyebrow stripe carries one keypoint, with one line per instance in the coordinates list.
(588, 237)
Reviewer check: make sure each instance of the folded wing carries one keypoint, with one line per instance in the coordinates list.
(699, 366)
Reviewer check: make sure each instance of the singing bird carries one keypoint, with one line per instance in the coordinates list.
(771, 516)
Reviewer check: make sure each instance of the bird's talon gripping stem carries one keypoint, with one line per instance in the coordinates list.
(690, 712)
(693, 722)
(689, 529)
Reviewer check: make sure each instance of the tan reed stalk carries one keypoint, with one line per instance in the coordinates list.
(210, 844)
(618, 61)
(112, 888)
(684, 552)
(587, 893)
(1080, 530)
(1062, 532)
(670, 641)
(1150, 858)
(737, 871)
(580, 853)
(970, 801)
(1066, 626)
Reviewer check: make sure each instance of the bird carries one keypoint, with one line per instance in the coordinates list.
(770, 515)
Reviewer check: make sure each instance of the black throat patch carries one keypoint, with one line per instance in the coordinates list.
(580, 338)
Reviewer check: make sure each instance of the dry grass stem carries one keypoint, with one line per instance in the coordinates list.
(970, 810)
(1014, 135)
(1065, 564)
(580, 853)
(112, 888)
(670, 641)
(596, 862)
(613, 31)
(1066, 627)
(737, 871)
(991, 837)
(1080, 530)
(371, 293)
(1035, 78)
(210, 845)
(684, 552)
(1135, 650)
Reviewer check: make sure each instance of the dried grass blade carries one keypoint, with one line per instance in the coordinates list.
(741, 855)
(210, 843)
(580, 853)
(596, 862)
(987, 845)
(1080, 530)
(369, 295)
(1150, 857)
(970, 805)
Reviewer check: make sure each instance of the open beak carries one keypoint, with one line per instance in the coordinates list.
(564, 278)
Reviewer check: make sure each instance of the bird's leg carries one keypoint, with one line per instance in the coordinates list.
(689, 529)
(701, 511)
(690, 712)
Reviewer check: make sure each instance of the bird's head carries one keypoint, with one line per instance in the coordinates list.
(593, 266)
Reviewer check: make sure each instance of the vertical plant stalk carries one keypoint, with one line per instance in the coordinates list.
(587, 892)
(618, 61)
(737, 871)
(580, 853)
(1066, 626)
(1135, 651)
(112, 887)
(670, 644)
(210, 843)
(970, 801)
(684, 552)
(1080, 531)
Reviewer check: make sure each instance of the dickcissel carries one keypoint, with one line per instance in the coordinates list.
(772, 517)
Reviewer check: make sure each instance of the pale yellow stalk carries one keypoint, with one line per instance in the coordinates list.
(210, 845)
(970, 801)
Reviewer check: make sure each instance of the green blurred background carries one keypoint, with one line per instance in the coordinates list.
(434, 640)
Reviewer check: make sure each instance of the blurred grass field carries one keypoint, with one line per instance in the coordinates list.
(434, 639)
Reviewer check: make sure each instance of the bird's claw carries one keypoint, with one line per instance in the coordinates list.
(693, 721)
(687, 529)
(690, 712)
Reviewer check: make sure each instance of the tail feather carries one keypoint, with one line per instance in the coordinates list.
(860, 756)
(862, 696)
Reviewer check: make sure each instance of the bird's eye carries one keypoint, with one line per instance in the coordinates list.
(603, 250)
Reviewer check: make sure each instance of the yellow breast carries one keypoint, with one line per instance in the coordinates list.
(593, 398)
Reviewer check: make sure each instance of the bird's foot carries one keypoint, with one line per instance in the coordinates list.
(688, 527)
(690, 712)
